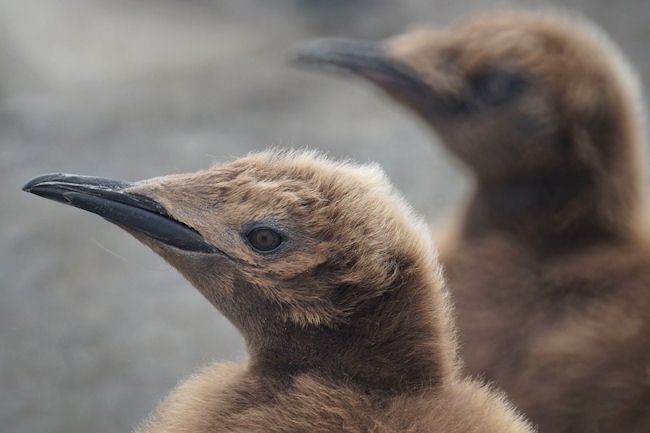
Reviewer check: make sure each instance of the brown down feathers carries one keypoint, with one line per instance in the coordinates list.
(548, 262)
(347, 328)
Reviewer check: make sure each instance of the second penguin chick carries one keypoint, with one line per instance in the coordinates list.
(548, 263)
(331, 281)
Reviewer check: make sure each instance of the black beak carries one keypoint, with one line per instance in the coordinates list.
(110, 200)
(368, 60)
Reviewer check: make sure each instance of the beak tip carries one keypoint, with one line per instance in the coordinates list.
(35, 182)
(333, 51)
(304, 53)
(38, 180)
(366, 59)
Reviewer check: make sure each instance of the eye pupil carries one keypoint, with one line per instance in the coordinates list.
(498, 86)
(264, 239)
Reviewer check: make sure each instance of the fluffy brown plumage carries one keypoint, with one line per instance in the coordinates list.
(344, 313)
(549, 262)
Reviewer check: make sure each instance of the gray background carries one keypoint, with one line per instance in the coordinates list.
(94, 327)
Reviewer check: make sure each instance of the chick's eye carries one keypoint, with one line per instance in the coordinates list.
(264, 239)
(499, 86)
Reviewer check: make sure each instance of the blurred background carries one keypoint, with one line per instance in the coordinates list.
(95, 329)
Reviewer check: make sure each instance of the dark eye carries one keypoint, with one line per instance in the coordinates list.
(498, 86)
(264, 239)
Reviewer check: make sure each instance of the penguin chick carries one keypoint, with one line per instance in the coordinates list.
(548, 263)
(329, 278)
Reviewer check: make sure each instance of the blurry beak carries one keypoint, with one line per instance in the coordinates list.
(110, 199)
(368, 60)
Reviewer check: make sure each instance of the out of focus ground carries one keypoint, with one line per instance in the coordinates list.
(95, 328)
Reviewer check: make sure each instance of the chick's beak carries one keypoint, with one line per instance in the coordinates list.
(371, 61)
(111, 200)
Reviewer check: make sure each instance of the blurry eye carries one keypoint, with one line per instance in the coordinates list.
(264, 239)
(498, 86)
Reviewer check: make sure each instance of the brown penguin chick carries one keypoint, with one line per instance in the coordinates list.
(548, 264)
(329, 278)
